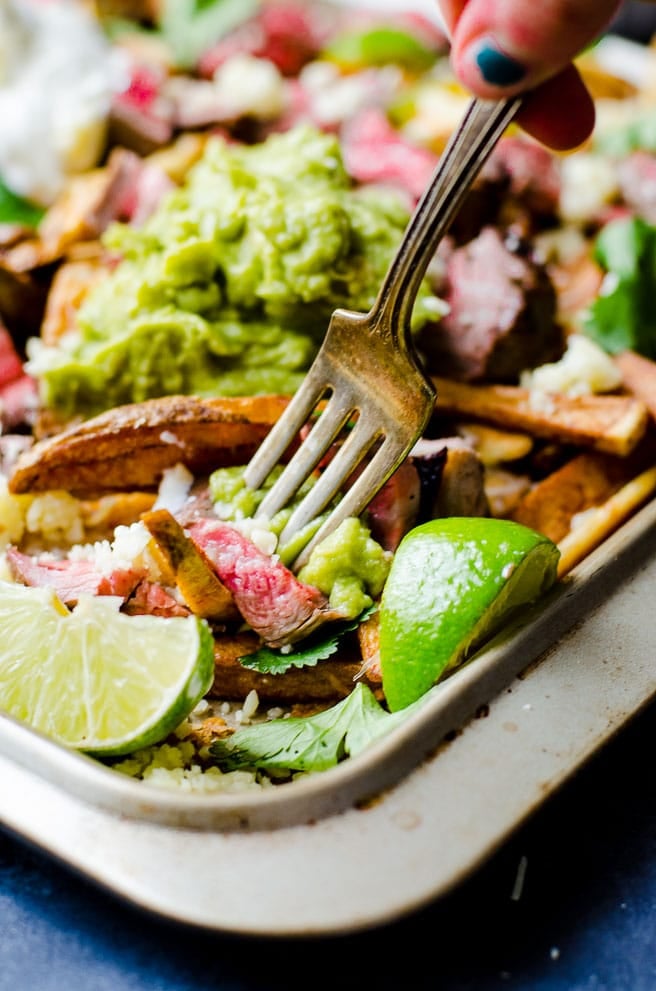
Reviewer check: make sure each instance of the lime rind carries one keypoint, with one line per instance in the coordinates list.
(453, 584)
(96, 679)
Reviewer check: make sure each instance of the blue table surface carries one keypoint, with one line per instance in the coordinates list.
(585, 917)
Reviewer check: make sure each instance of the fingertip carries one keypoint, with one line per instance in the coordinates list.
(559, 113)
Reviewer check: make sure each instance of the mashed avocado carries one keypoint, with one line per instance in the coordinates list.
(228, 288)
(349, 566)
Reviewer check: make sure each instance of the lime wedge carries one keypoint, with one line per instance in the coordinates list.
(453, 583)
(96, 679)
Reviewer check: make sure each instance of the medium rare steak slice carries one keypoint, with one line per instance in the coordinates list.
(269, 597)
(532, 171)
(637, 178)
(502, 316)
(71, 579)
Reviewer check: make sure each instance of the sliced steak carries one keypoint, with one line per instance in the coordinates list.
(532, 171)
(375, 152)
(269, 597)
(518, 187)
(502, 316)
(151, 599)
(637, 178)
(285, 32)
(70, 579)
(395, 509)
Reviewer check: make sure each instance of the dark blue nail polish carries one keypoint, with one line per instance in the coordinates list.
(496, 67)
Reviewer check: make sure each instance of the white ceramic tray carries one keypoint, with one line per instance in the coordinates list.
(431, 802)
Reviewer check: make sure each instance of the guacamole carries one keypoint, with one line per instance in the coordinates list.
(228, 287)
(349, 566)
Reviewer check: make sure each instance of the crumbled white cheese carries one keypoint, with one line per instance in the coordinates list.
(583, 369)
(174, 488)
(168, 437)
(258, 533)
(334, 97)
(439, 107)
(57, 76)
(589, 182)
(56, 516)
(129, 548)
(249, 85)
(562, 244)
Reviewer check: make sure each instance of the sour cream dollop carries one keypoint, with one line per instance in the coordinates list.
(58, 73)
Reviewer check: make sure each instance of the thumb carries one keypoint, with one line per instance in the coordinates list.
(511, 45)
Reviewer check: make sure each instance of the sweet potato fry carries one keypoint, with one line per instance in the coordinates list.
(70, 285)
(610, 423)
(103, 515)
(197, 582)
(604, 85)
(598, 523)
(128, 448)
(586, 481)
(329, 680)
(495, 446)
(639, 377)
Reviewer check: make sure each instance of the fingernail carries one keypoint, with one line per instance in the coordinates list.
(496, 67)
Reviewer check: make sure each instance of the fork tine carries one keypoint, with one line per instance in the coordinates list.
(295, 416)
(333, 418)
(359, 441)
(382, 465)
(367, 362)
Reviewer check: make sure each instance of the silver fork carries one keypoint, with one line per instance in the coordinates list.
(367, 362)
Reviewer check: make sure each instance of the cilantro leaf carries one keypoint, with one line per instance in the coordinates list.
(190, 27)
(15, 210)
(266, 660)
(310, 743)
(623, 317)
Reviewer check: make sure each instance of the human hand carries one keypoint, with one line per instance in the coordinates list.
(502, 47)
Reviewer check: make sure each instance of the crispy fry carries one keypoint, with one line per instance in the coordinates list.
(586, 481)
(67, 222)
(197, 582)
(177, 158)
(331, 680)
(119, 509)
(596, 524)
(604, 85)
(70, 285)
(610, 423)
(639, 377)
(129, 447)
(495, 446)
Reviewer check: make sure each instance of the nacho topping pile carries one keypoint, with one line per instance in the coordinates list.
(163, 294)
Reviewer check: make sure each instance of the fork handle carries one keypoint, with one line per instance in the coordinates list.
(464, 156)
